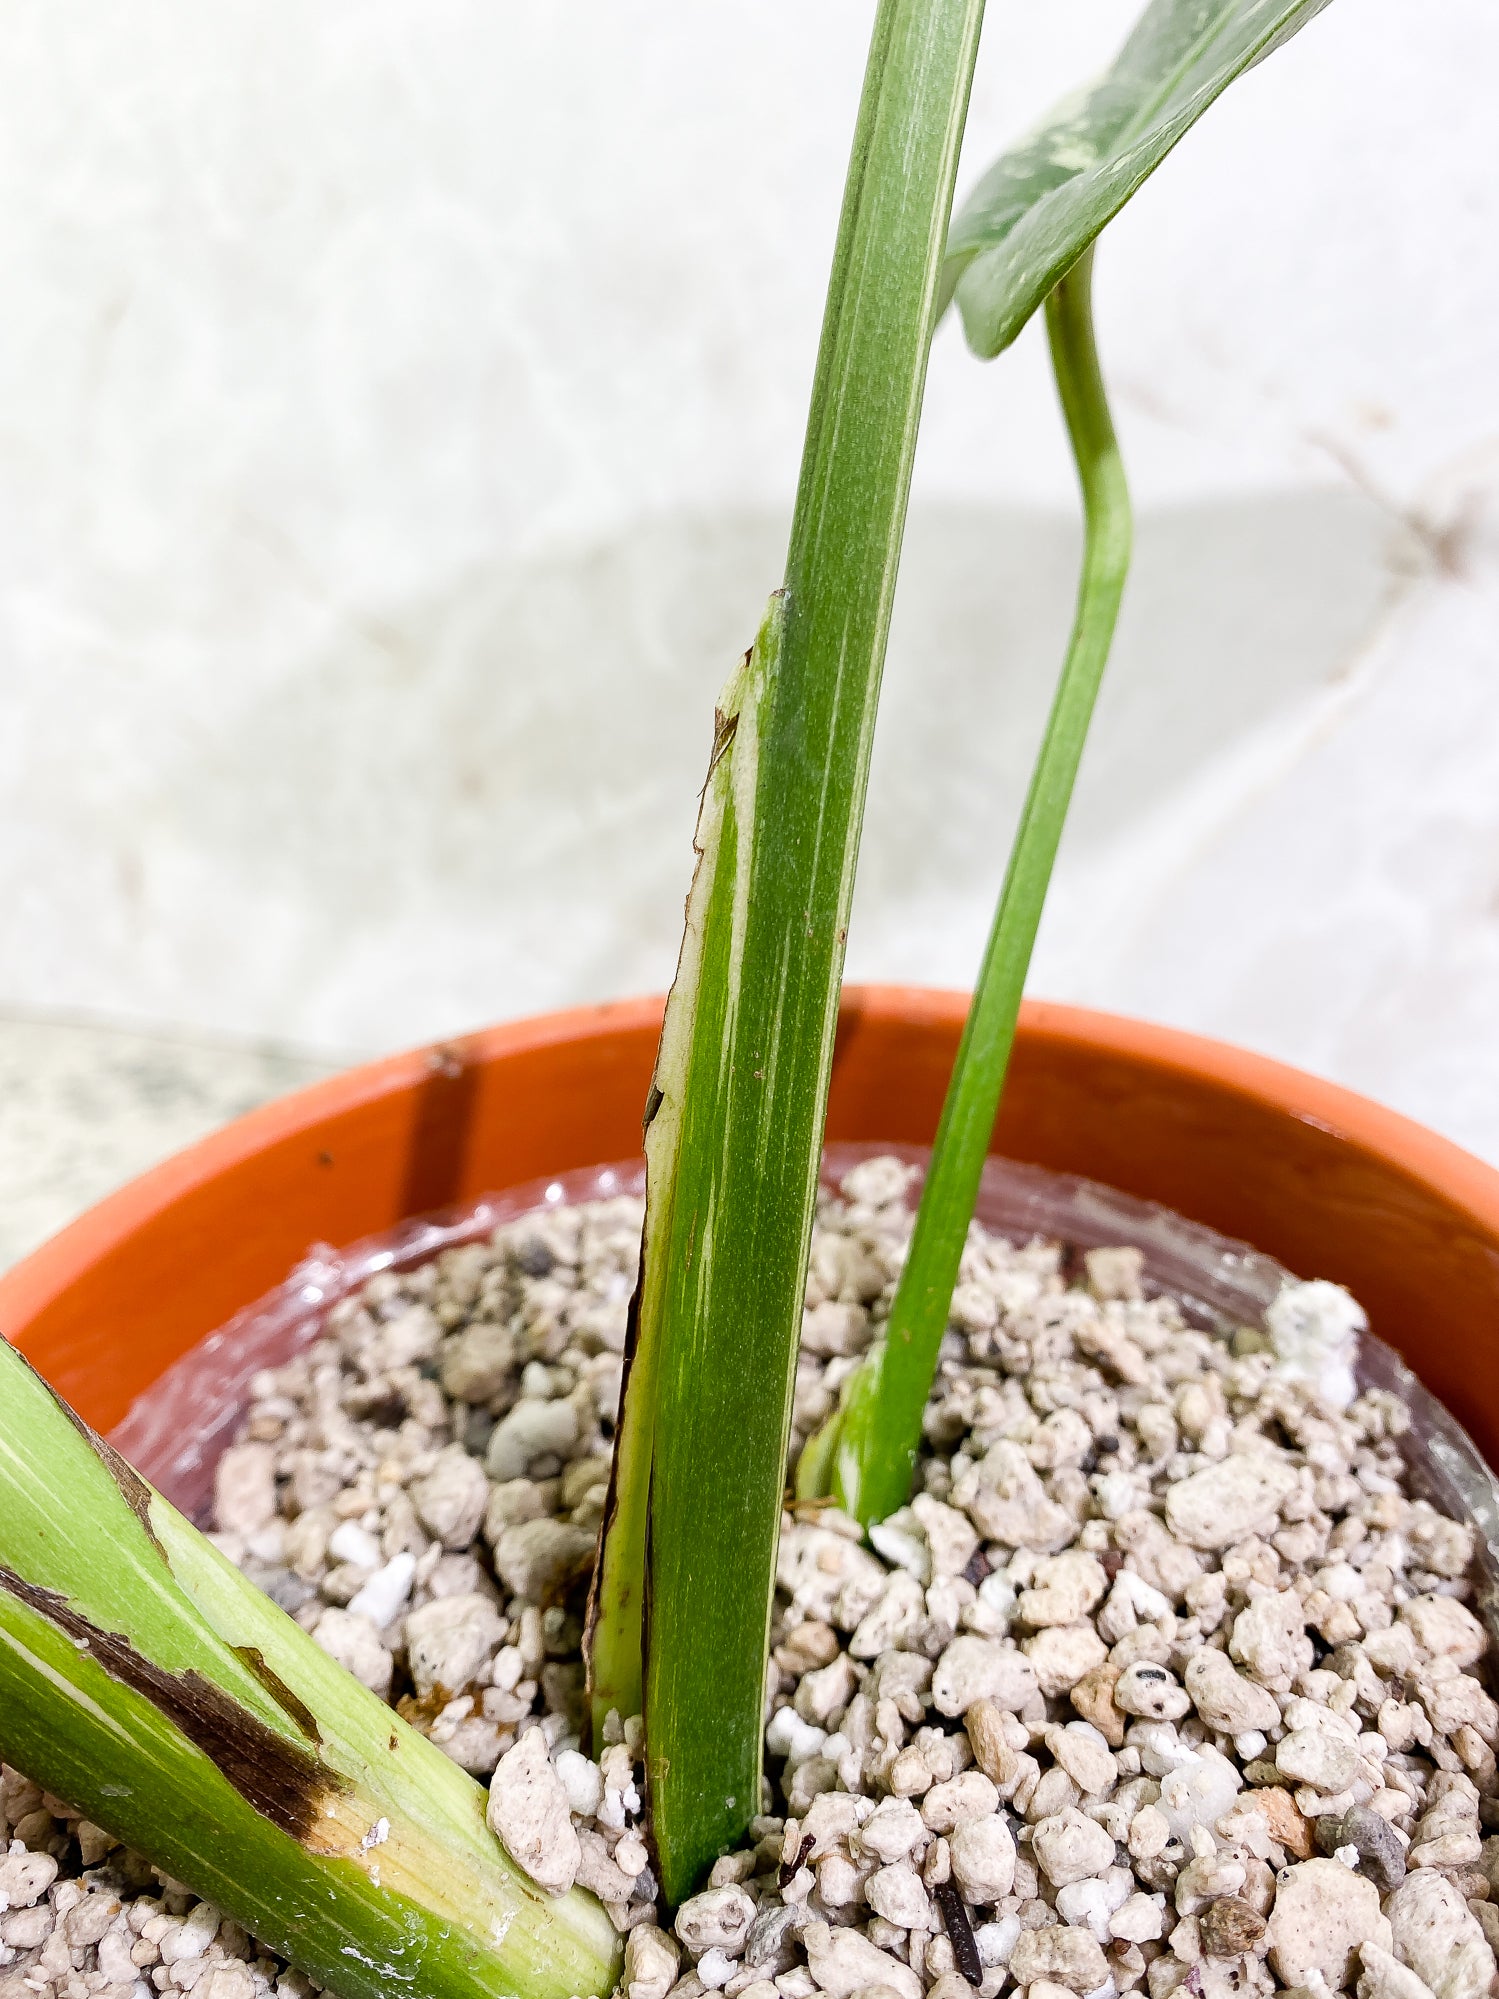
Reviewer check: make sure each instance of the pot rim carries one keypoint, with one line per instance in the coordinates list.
(1461, 1178)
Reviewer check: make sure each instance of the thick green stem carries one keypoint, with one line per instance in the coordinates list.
(879, 1429)
(741, 1084)
(148, 1684)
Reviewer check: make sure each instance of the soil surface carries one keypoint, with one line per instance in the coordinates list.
(1162, 1679)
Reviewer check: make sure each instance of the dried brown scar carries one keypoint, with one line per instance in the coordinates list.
(281, 1780)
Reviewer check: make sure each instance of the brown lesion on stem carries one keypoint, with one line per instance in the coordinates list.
(725, 728)
(611, 1497)
(138, 1496)
(280, 1779)
(292, 1705)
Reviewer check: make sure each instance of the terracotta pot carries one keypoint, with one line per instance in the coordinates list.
(1324, 1180)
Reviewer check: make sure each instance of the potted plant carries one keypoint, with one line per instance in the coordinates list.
(147, 1682)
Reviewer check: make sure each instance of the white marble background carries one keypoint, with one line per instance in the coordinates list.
(399, 407)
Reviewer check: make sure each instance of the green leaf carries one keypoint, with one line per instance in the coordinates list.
(868, 1452)
(149, 1685)
(741, 1085)
(1039, 207)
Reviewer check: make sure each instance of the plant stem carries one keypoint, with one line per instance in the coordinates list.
(734, 1137)
(152, 1687)
(879, 1428)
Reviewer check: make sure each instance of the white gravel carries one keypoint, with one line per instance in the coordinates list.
(1162, 1679)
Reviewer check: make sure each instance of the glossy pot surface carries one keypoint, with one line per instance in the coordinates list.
(1329, 1183)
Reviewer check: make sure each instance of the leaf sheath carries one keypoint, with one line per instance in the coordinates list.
(741, 1086)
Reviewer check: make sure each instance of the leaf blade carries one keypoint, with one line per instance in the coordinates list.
(1042, 203)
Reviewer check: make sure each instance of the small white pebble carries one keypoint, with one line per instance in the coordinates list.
(583, 1781)
(384, 1596)
(717, 1919)
(996, 1940)
(528, 1813)
(630, 1856)
(351, 1543)
(1315, 1329)
(509, 1668)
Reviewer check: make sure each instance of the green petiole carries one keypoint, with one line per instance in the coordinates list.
(867, 1461)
